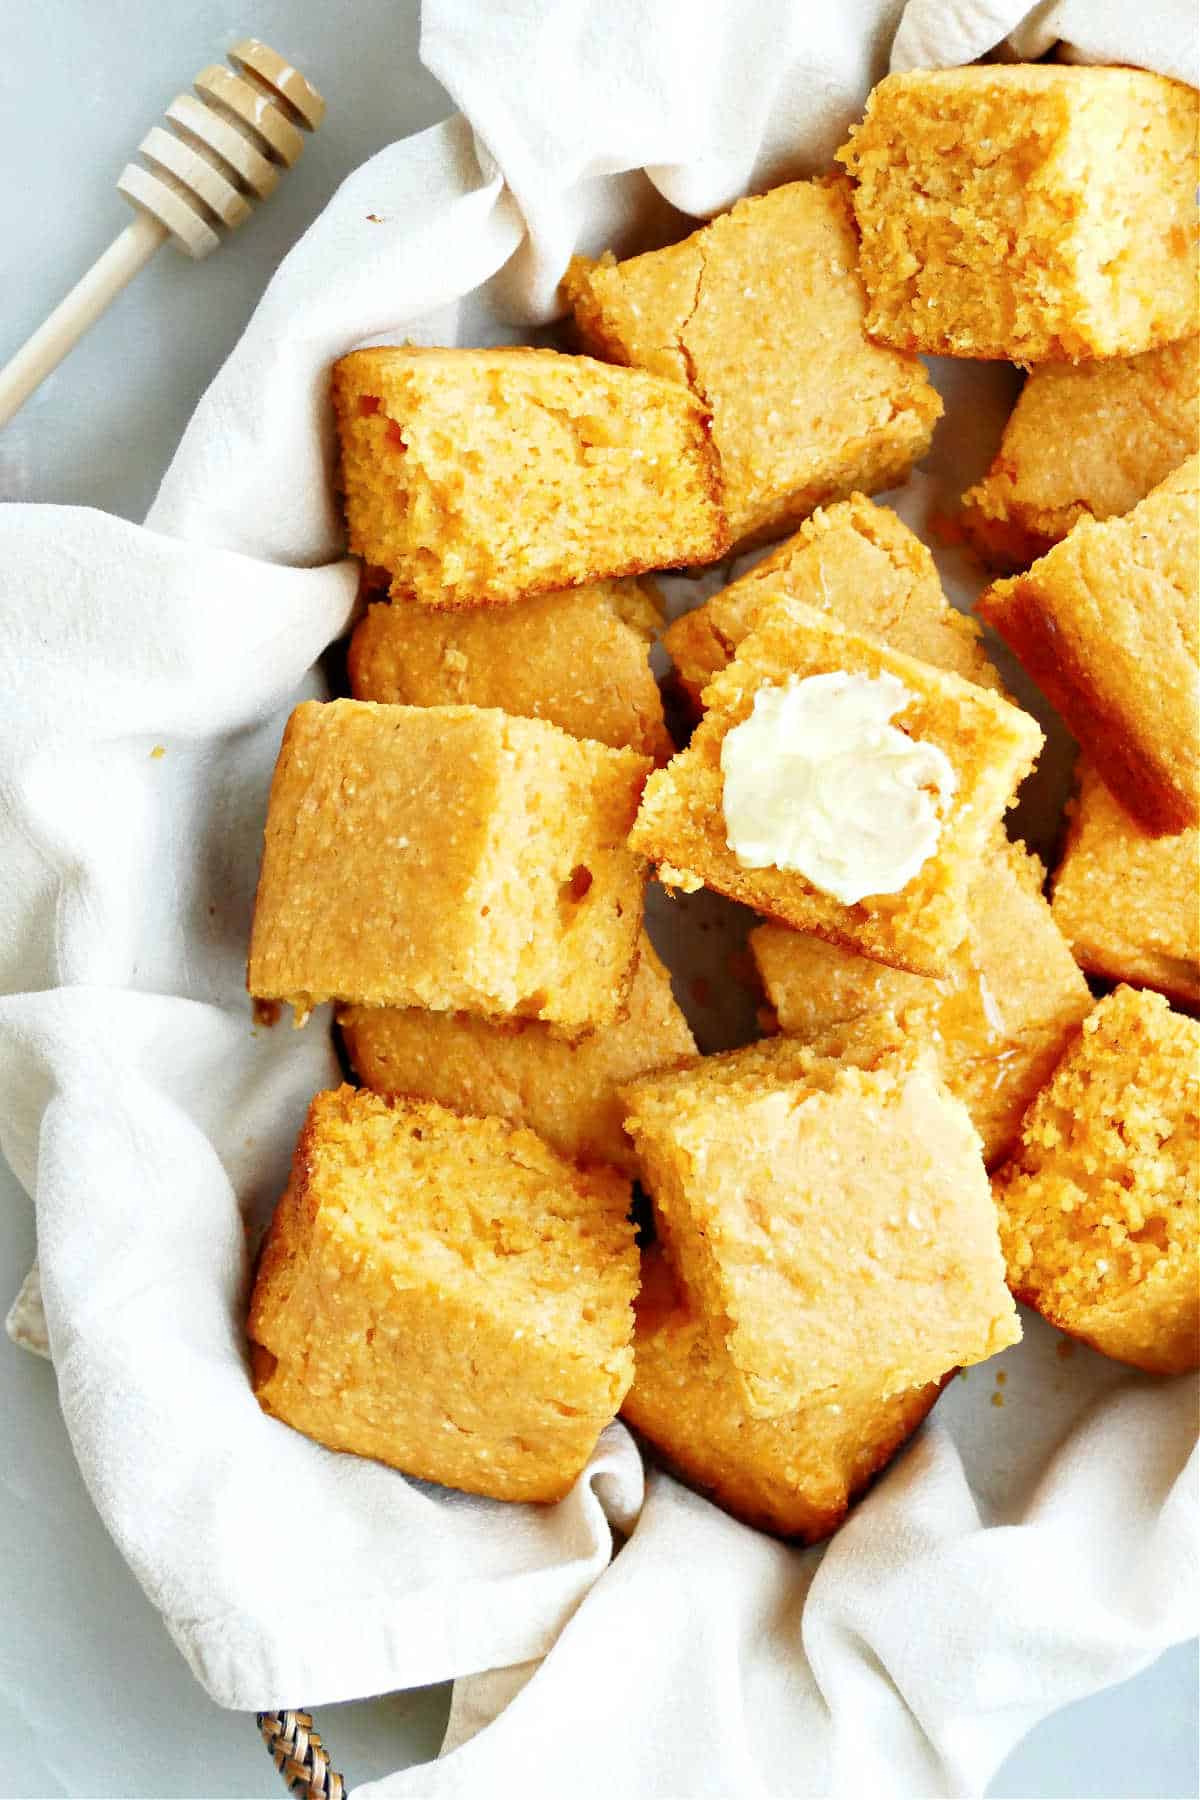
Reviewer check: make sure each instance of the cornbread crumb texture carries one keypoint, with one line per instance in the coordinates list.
(989, 743)
(794, 1475)
(523, 1071)
(579, 659)
(447, 1295)
(1085, 439)
(831, 1222)
(760, 313)
(448, 857)
(860, 564)
(1128, 903)
(1029, 212)
(1108, 624)
(998, 1021)
(1099, 1205)
(480, 476)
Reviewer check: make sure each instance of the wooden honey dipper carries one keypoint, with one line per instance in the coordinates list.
(223, 151)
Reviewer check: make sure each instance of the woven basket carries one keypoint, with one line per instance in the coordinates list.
(298, 1753)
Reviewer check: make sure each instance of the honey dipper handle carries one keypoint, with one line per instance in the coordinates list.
(127, 253)
(224, 146)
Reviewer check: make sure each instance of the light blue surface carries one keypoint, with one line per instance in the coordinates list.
(94, 1700)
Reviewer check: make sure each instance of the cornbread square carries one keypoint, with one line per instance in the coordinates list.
(989, 743)
(831, 1222)
(795, 1475)
(998, 1021)
(1085, 439)
(1108, 625)
(476, 477)
(1030, 212)
(447, 857)
(760, 313)
(579, 658)
(523, 1071)
(1129, 904)
(860, 564)
(447, 1295)
(1100, 1204)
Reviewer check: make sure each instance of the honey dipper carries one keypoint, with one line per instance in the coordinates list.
(223, 150)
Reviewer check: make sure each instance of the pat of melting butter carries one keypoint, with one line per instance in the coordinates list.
(819, 782)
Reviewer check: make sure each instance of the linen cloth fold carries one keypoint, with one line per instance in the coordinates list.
(1013, 1559)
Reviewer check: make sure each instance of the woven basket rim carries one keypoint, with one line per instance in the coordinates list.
(296, 1748)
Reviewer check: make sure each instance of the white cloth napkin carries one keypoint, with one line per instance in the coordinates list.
(1163, 35)
(1017, 1557)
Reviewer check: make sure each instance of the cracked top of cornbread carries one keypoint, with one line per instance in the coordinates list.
(760, 314)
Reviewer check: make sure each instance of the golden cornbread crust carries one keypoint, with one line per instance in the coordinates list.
(1128, 903)
(447, 1295)
(1108, 625)
(831, 1222)
(1099, 1206)
(1084, 440)
(448, 857)
(579, 659)
(860, 564)
(477, 477)
(998, 1022)
(939, 1122)
(760, 313)
(1027, 212)
(523, 1071)
(990, 744)
(795, 1475)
